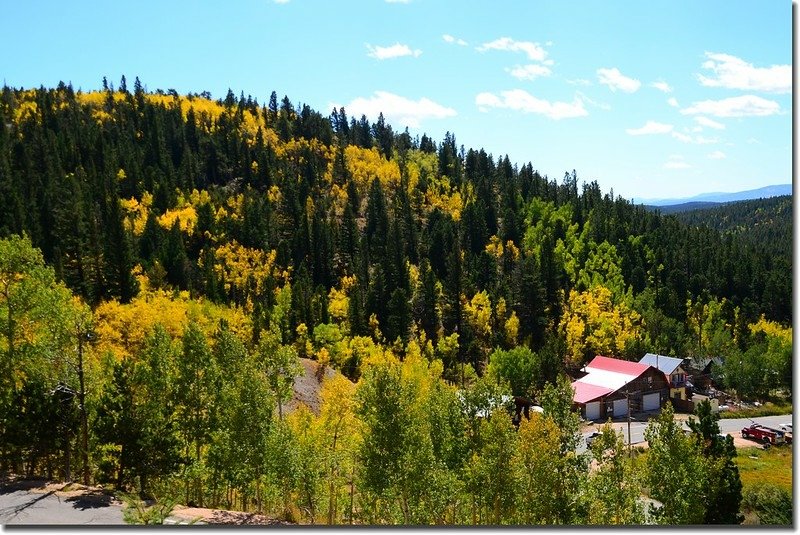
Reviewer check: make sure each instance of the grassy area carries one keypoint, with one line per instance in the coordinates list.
(774, 466)
(767, 409)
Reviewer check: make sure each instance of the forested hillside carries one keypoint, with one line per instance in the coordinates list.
(178, 254)
(764, 223)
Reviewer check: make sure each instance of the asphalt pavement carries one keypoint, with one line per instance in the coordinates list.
(19, 506)
(731, 426)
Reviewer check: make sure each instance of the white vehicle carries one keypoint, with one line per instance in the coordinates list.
(591, 437)
(786, 427)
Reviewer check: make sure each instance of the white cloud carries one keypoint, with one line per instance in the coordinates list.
(662, 86)
(529, 72)
(676, 162)
(650, 127)
(700, 140)
(697, 140)
(616, 80)
(484, 101)
(601, 105)
(520, 100)
(705, 121)
(672, 101)
(533, 50)
(717, 155)
(676, 165)
(394, 51)
(397, 109)
(453, 40)
(697, 128)
(682, 137)
(743, 106)
(734, 73)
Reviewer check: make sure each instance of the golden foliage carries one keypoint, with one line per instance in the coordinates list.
(207, 112)
(185, 211)
(295, 150)
(512, 328)
(338, 303)
(136, 212)
(240, 266)
(495, 247)
(772, 329)
(122, 328)
(512, 250)
(186, 217)
(274, 194)
(442, 195)
(479, 313)
(25, 110)
(594, 325)
(366, 164)
(96, 100)
(196, 198)
(235, 205)
(347, 282)
(26, 107)
(339, 198)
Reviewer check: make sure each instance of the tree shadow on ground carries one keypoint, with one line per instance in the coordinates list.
(91, 500)
(9, 484)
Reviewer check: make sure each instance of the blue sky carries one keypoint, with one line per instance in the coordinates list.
(652, 99)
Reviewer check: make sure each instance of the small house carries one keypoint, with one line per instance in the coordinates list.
(702, 372)
(673, 369)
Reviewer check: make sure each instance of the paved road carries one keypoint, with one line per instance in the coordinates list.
(31, 508)
(734, 426)
(727, 427)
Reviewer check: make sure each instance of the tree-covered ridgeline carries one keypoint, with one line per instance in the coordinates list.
(764, 223)
(169, 258)
(231, 199)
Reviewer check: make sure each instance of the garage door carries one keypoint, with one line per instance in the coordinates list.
(651, 402)
(593, 410)
(620, 408)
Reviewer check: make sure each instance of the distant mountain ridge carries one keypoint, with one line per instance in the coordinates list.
(722, 197)
(684, 207)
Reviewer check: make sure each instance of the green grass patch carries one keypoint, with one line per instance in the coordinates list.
(767, 409)
(773, 466)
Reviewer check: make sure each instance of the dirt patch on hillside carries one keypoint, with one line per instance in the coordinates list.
(219, 516)
(307, 386)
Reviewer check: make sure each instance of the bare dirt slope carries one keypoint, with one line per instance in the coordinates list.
(220, 516)
(307, 386)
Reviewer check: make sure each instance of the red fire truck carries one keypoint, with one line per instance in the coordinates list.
(764, 434)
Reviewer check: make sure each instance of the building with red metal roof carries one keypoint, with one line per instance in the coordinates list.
(613, 387)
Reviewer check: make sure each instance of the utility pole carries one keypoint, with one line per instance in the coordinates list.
(82, 406)
(628, 399)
